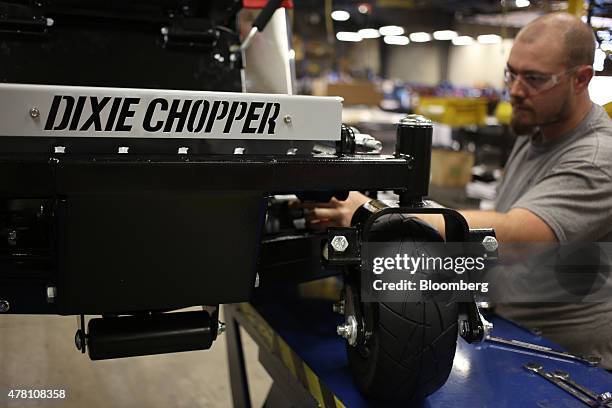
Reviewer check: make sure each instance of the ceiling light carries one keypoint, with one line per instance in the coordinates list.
(444, 35)
(348, 36)
(522, 3)
(420, 37)
(489, 39)
(369, 33)
(340, 15)
(463, 40)
(396, 40)
(391, 30)
(364, 8)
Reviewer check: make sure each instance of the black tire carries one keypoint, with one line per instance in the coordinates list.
(410, 353)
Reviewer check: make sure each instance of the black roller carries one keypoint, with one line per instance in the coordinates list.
(414, 137)
(116, 337)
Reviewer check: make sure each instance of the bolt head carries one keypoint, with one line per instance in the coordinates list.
(78, 340)
(339, 243)
(287, 119)
(4, 306)
(490, 243)
(605, 398)
(12, 238)
(348, 330)
(51, 293)
(338, 307)
(34, 112)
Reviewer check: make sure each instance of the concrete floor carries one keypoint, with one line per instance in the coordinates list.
(38, 352)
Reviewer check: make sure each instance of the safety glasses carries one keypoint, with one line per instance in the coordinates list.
(535, 83)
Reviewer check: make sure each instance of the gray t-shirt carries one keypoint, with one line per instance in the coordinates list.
(566, 182)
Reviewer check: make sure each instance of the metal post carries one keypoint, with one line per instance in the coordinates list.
(235, 358)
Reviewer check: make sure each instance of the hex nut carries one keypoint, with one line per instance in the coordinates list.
(339, 243)
(490, 243)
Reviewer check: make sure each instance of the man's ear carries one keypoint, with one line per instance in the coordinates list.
(582, 77)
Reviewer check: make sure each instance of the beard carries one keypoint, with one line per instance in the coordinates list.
(526, 119)
(523, 122)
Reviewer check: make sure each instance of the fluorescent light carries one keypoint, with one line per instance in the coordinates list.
(602, 35)
(463, 40)
(340, 15)
(420, 37)
(396, 40)
(600, 59)
(348, 36)
(444, 35)
(391, 30)
(489, 39)
(369, 33)
(522, 3)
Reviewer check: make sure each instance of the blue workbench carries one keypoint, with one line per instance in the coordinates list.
(483, 375)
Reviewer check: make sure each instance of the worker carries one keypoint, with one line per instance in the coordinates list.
(557, 185)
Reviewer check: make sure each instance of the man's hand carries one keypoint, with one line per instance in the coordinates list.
(336, 213)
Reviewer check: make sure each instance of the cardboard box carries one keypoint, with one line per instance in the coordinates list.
(356, 93)
(450, 168)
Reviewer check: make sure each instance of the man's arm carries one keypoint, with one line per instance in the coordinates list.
(517, 225)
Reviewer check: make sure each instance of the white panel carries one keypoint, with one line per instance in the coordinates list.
(418, 63)
(268, 61)
(478, 64)
(26, 110)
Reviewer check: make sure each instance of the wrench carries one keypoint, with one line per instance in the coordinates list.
(604, 399)
(537, 368)
(589, 360)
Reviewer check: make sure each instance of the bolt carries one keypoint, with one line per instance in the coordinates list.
(51, 292)
(338, 307)
(339, 243)
(292, 151)
(256, 280)
(490, 243)
(123, 149)
(239, 150)
(164, 31)
(348, 330)
(183, 150)
(12, 238)
(221, 328)
(34, 112)
(4, 306)
(78, 339)
(465, 328)
(287, 119)
(59, 149)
